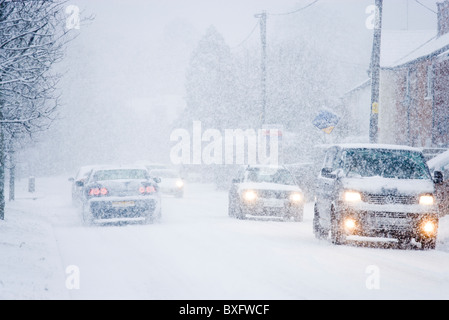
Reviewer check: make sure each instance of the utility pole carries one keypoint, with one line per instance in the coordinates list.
(375, 74)
(263, 35)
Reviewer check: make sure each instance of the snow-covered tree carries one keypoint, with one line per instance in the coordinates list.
(32, 39)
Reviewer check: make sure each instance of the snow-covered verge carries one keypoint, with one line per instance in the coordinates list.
(30, 266)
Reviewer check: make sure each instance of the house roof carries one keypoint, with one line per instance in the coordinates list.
(433, 47)
(402, 46)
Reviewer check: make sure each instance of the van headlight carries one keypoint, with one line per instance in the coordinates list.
(429, 227)
(352, 196)
(426, 200)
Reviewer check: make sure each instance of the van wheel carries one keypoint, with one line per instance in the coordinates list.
(337, 235)
(428, 244)
(318, 230)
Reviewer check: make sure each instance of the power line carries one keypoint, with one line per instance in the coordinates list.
(293, 12)
(247, 38)
(273, 14)
(422, 4)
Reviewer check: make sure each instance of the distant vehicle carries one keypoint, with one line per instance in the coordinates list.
(115, 192)
(153, 165)
(436, 164)
(171, 182)
(376, 191)
(78, 183)
(266, 191)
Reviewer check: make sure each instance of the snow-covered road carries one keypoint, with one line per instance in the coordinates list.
(197, 252)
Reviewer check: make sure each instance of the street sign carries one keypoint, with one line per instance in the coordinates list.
(326, 121)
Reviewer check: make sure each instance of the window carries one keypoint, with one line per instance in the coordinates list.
(330, 158)
(429, 93)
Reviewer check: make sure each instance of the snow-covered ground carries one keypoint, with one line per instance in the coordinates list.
(197, 252)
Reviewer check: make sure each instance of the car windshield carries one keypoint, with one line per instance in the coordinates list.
(119, 174)
(164, 174)
(271, 175)
(397, 164)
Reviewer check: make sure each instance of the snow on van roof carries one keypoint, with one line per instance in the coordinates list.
(439, 161)
(376, 146)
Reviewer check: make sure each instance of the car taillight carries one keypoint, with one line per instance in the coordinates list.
(98, 192)
(147, 190)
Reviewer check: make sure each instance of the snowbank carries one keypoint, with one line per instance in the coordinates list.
(30, 268)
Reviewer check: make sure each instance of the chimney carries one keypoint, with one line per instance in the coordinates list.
(443, 17)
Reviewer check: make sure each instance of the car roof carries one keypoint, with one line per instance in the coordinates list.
(115, 167)
(267, 166)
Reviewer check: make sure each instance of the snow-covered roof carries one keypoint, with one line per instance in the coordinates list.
(376, 146)
(401, 46)
(439, 161)
(435, 46)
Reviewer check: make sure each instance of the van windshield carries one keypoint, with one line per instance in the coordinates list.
(270, 175)
(395, 164)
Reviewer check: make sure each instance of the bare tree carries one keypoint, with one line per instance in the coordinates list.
(32, 38)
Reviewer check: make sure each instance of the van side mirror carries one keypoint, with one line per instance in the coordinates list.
(438, 177)
(327, 173)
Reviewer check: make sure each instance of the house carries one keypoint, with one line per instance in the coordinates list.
(414, 87)
(414, 99)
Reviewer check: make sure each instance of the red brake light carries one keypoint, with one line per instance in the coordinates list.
(97, 192)
(147, 189)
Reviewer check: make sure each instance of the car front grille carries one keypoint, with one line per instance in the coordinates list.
(273, 194)
(389, 199)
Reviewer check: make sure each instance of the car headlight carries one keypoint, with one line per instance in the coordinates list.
(180, 183)
(295, 197)
(250, 196)
(352, 196)
(426, 200)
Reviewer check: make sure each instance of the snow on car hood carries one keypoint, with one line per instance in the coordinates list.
(377, 185)
(267, 186)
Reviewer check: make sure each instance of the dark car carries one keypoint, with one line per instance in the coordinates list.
(78, 183)
(266, 191)
(121, 193)
(376, 191)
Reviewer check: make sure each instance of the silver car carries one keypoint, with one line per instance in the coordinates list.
(121, 193)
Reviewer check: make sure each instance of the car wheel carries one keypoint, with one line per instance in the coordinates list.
(149, 218)
(318, 230)
(299, 216)
(87, 215)
(179, 195)
(337, 235)
(231, 210)
(428, 243)
(238, 212)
